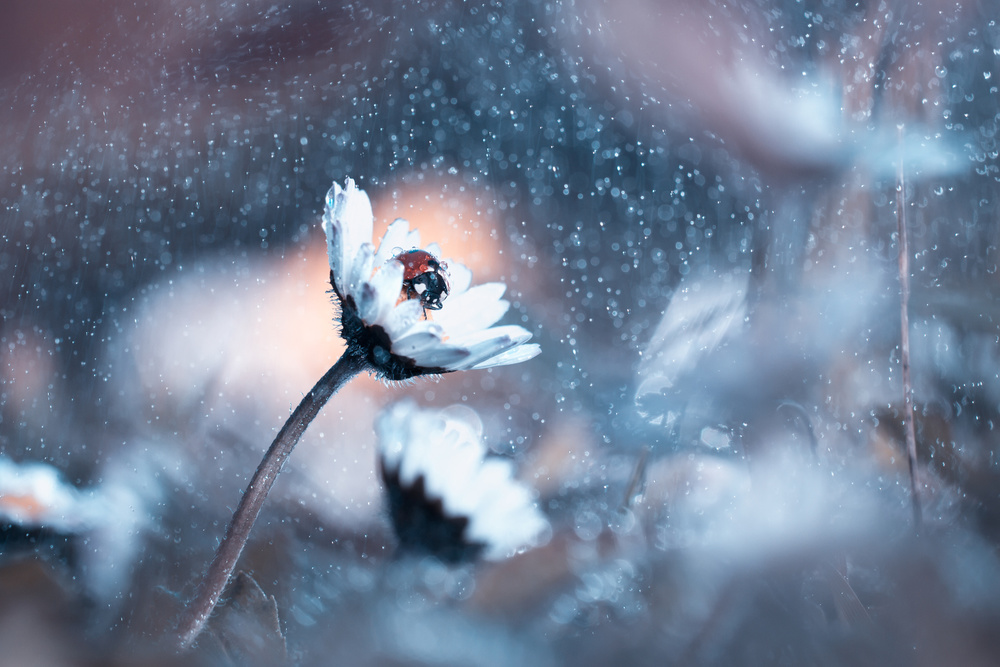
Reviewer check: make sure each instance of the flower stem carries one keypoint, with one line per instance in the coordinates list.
(214, 582)
(904, 344)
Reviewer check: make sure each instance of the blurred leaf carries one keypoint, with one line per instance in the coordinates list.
(247, 626)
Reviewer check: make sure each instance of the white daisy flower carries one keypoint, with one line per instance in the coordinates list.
(385, 295)
(446, 497)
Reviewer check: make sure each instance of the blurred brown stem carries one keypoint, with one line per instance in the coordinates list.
(904, 353)
(214, 582)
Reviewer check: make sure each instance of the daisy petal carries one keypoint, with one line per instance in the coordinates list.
(347, 221)
(420, 328)
(414, 344)
(391, 440)
(360, 268)
(402, 319)
(477, 308)
(412, 240)
(503, 337)
(393, 241)
(354, 212)
(441, 356)
(459, 277)
(514, 355)
(494, 518)
(366, 300)
(490, 348)
(387, 281)
(460, 464)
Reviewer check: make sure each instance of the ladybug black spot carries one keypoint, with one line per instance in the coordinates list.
(424, 278)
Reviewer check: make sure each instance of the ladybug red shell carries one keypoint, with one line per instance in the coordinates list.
(424, 278)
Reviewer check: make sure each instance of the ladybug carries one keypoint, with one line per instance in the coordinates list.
(424, 278)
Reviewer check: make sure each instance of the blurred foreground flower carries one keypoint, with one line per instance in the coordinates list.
(94, 531)
(445, 496)
(33, 496)
(385, 294)
(384, 298)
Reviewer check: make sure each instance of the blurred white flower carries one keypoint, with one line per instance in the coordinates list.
(35, 496)
(446, 496)
(385, 296)
(699, 319)
(103, 522)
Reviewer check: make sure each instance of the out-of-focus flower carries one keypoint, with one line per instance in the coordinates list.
(102, 523)
(446, 497)
(678, 364)
(694, 326)
(35, 496)
(385, 296)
